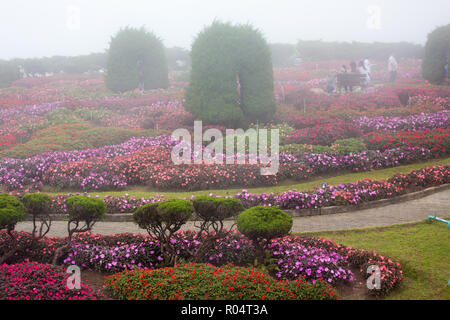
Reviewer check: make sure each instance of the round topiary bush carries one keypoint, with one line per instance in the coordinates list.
(216, 209)
(147, 215)
(162, 220)
(159, 216)
(37, 203)
(82, 208)
(232, 76)
(437, 51)
(11, 211)
(175, 211)
(136, 57)
(262, 222)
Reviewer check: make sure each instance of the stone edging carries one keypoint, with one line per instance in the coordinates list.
(127, 217)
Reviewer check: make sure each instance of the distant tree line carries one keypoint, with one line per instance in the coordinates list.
(316, 50)
(177, 59)
(9, 72)
(58, 64)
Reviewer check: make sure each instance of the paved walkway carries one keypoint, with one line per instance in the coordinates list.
(410, 211)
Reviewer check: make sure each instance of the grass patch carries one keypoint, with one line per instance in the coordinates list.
(140, 192)
(422, 248)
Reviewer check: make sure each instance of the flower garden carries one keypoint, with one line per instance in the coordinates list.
(71, 137)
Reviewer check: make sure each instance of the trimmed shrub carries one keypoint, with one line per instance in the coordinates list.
(176, 212)
(147, 215)
(11, 211)
(213, 211)
(39, 206)
(232, 77)
(437, 50)
(216, 209)
(82, 208)
(206, 282)
(136, 56)
(37, 203)
(262, 222)
(162, 220)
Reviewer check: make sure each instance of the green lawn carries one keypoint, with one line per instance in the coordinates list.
(423, 249)
(140, 192)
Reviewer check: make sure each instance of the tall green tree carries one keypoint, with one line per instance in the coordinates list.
(136, 57)
(232, 76)
(437, 50)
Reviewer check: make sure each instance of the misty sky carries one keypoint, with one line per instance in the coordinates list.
(36, 28)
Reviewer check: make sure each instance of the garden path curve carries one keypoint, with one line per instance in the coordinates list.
(404, 212)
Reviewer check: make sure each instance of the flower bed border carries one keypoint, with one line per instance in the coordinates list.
(128, 217)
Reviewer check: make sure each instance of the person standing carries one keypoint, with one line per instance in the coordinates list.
(331, 82)
(365, 76)
(392, 67)
(367, 65)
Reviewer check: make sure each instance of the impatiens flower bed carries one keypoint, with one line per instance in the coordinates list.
(390, 272)
(17, 174)
(295, 258)
(168, 115)
(152, 166)
(425, 100)
(419, 122)
(206, 282)
(384, 97)
(120, 204)
(326, 195)
(147, 161)
(71, 136)
(350, 193)
(109, 254)
(437, 140)
(35, 281)
(7, 141)
(291, 258)
(329, 162)
(323, 134)
(41, 251)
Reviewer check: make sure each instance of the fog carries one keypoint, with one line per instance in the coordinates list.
(60, 27)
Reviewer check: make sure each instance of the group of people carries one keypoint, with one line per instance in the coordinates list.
(363, 68)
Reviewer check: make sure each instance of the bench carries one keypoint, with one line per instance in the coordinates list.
(349, 80)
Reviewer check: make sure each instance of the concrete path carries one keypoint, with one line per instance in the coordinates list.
(410, 211)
